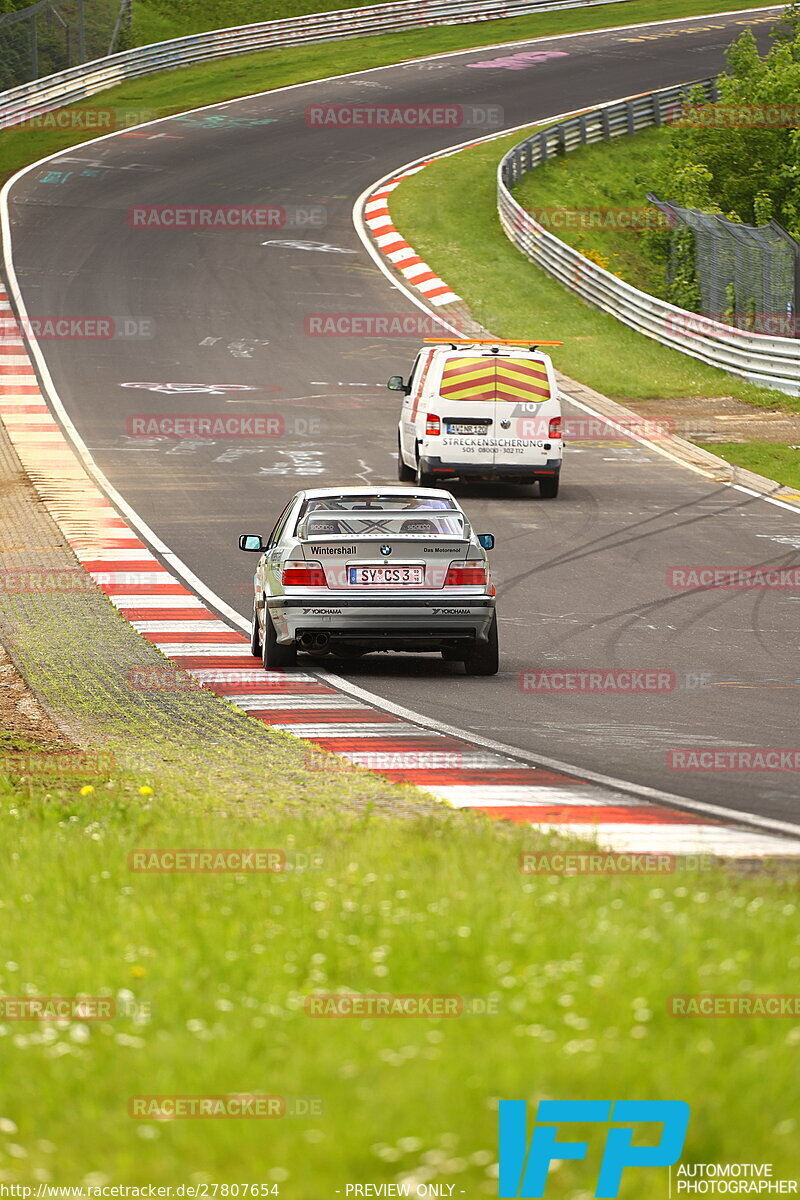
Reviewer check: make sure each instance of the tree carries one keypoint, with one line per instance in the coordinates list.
(744, 150)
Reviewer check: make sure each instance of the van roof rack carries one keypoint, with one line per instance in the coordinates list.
(454, 342)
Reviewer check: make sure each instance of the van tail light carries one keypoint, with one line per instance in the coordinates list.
(433, 425)
(554, 429)
(459, 574)
(302, 574)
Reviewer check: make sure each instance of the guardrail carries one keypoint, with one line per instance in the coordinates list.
(770, 361)
(54, 91)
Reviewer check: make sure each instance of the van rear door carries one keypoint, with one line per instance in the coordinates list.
(524, 402)
(465, 407)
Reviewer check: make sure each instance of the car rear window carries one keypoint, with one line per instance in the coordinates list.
(381, 524)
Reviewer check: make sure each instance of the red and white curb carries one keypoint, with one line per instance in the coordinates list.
(394, 246)
(178, 623)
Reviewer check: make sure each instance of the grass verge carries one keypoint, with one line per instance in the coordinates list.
(175, 91)
(765, 458)
(604, 180)
(209, 973)
(465, 244)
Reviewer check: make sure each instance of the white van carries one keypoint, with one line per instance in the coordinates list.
(486, 410)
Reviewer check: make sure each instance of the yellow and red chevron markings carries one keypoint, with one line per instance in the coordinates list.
(493, 379)
(172, 618)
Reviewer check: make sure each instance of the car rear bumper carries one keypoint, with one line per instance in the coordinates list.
(424, 622)
(523, 472)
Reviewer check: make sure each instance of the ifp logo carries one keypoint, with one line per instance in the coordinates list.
(524, 1168)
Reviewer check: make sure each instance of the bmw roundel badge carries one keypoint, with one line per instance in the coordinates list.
(386, 551)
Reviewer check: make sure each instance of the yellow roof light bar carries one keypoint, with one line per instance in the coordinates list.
(488, 342)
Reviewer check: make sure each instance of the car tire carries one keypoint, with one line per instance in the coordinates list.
(274, 656)
(422, 478)
(484, 658)
(404, 473)
(255, 636)
(548, 488)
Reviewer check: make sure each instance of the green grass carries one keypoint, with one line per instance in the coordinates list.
(465, 244)
(600, 179)
(160, 19)
(213, 970)
(765, 458)
(175, 91)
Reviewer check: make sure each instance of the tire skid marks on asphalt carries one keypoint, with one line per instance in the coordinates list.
(218, 658)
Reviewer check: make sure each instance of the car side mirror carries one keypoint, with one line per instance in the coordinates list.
(397, 384)
(251, 542)
(486, 540)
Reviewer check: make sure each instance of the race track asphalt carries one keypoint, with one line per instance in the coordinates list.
(582, 581)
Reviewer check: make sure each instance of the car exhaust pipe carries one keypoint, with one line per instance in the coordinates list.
(314, 641)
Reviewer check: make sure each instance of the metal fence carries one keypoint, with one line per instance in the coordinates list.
(53, 35)
(747, 274)
(69, 86)
(770, 361)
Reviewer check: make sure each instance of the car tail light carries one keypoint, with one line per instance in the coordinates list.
(301, 574)
(433, 424)
(460, 574)
(554, 429)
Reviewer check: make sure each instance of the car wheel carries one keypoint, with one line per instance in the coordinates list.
(404, 473)
(484, 658)
(548, 488)
(255, 636)
(422, 478)
(274, 656)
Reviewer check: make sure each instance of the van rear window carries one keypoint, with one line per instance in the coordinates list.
(505, 379)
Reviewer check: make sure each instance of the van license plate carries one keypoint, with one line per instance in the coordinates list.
(387, 576)
(460, 427)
